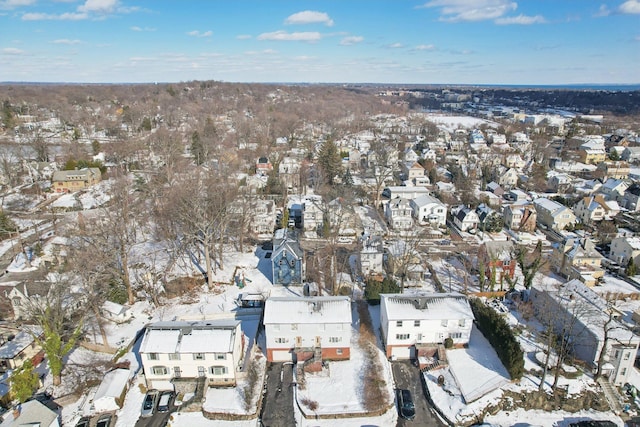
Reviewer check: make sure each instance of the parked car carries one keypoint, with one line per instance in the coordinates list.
(83, 422)
(164, 403)
(405, 404)
(149, 403)
(104, 421)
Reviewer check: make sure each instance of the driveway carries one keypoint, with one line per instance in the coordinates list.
(406, 375)
(158, 419)
(277, 405)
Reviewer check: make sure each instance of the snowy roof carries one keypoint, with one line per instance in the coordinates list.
(307, 310)
(213, 336)
(33, 413)
(23, 339)
(113, 383)
(425, 200)
(427, 306)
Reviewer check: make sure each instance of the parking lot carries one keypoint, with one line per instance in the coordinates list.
(409, 377)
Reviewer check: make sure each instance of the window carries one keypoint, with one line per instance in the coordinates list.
(416, 323)
(174, 356)
(624, 372)
(198, 356)
(456, 335)
(617, 354)
(159, 370)
(221, 356)
(443, 323)
(152, 356)
(217, 370)
(335, 339)
(399, 323)
(276, 327)
(339, 351)
(461, 323)
(281, 340)
(201, 371)
(402, 336)
(294, 326)
(626, 356)
(177, 372)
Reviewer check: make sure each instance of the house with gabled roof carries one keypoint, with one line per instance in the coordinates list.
(303, 328)
(508, 179)
(210, 349)
(398, 213)
(592, 209)
(412, 322)
(552, 214)
(520, 216)
(498, 259)
(577, 258)
(68, 181)
(573, 303)
(287, 258)
(429, 210)
(23, 346)
(613, 189)
(615, 170)
(32, 414)
(624, 248)
(465, 218)
(631, 198)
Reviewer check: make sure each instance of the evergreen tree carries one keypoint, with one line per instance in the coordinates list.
(7, 226)
(631, 268)
(24, 382)
(329, 160)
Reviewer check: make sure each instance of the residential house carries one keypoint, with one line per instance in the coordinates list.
(303, 328)
(508, 179)
(574, 304)
(520, 216)
(592, 209)
(592, 156)
(495, 188)
(631, 154)
(614, 170)
(559, 182)
(287, 258)
(289, 173)
(404, 261)
(209, 349)
(577, 258)
(31, 414)
(410, 157)
(414, 171)
(488, 217)
(624, 248)
(429, 210)
(614, 189)
(552, 214)
(343, 220)
(514, 161)
(631, 198)
(21, 347)
(498, 260)
(29, 294)
(397, 213)
(405, 192)
(75, 180)
(312, 214)
(115, 312)
(371, 256)
(411, 324)
(263, 166)
(465, 218)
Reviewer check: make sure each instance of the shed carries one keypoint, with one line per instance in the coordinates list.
(112, 390)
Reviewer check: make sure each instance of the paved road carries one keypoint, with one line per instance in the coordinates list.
(408, 376)
(277, 406)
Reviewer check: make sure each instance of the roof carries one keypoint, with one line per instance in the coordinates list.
(22, 340)
(34, 413)
(425, 199)
(427, 306)
(113, 383)
(307, 310)
(212, 336)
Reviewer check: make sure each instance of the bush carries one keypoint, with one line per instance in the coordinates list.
(448, 342)
(497, 331)
(375, 288)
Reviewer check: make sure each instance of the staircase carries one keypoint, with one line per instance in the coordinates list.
(611, 394)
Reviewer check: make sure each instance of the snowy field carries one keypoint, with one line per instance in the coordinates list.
(451, 123)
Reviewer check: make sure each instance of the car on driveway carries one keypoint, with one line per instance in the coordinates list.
(83, 422)
(104, 421)
(405, 404)
(164, 403)
(149, 403)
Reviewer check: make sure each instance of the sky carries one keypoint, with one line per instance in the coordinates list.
(525, 42)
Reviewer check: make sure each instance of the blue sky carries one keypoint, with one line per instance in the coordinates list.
(379, 41)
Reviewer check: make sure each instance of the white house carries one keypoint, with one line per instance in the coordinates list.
(624, 248)
(398, 212)
(111, 391)
(409, 321)
(552, 214)
(301, 328)
(465, 218)
(371, 256)
(580, 312)
(212, 349)
(429, 210)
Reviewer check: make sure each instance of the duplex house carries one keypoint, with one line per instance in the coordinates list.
(300, 328)
(398, 213)
(615, 170)
(520, 216)
(75, 180)
(410, 323)
(209, 349)
(575, 309)
(406, 192)
(624, 248)
(465, 218)
(413, 170)
(429, 210)
(577, 258)
(552, 214)
(287, 258)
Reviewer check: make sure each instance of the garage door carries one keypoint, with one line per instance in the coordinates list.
(401, 352)
(282, 356)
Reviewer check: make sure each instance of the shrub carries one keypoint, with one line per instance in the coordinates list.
(448, 342)
(375, 288)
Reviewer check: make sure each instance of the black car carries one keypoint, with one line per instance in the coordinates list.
(83, 422)
(405, 405)
(105, 421)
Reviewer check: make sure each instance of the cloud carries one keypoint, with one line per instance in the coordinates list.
(309, 17)
(99, 6)
(351, 40)
(69, 16)
(308, 36)
(603, 11)
(471, 10)
(12, 51)
(425, 47)
(140, 29)
(196, 33)
(243, 36)
(12, 4)
(66, 41)
(521, 20)
(630, 7)
(395, 45)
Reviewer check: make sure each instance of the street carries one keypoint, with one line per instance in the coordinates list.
(409, 377)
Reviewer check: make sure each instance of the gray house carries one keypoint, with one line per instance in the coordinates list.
(287, 260)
